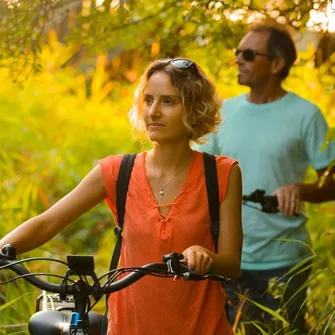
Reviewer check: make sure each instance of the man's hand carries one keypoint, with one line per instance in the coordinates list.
(288, 199)
(198, 259)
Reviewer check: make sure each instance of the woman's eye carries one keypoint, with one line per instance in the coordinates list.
(148, 101)
(168, 101)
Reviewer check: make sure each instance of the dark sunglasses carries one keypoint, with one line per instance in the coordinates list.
(249, 55)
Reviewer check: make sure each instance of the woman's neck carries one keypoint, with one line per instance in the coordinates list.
(170, 158)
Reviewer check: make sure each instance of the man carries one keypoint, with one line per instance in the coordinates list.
(275, 135)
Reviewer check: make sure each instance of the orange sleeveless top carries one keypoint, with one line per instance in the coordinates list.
(160, 306)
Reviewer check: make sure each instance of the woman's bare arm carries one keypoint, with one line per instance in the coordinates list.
(227, 261)
(40, 229)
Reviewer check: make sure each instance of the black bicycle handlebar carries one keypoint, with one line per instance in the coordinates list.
(48, 322)
(172, 266)
(269, 203)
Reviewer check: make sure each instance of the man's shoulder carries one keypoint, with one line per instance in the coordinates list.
(234, 102)
(236, 98)
(307, 105)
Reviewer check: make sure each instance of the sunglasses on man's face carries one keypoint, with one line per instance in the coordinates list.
(249, 55)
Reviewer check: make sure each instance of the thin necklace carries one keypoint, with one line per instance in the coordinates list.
(161, 191)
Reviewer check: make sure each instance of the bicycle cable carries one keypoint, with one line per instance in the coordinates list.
(254, 207)
(35, 274)
(118, 272)
(32, 259)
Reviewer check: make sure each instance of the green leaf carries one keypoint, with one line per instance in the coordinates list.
(264, 308)
(6, 305)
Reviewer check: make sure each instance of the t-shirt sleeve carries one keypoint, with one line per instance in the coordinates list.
(110, 167)
(211, 146)
(319, 152)
(224, 165)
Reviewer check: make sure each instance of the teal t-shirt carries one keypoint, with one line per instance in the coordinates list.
(274, 143)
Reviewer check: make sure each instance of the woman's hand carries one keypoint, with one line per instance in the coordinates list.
(198, 259)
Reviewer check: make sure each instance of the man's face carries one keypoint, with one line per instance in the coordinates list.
(256, 72)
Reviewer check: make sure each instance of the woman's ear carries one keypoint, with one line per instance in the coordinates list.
(278, 64)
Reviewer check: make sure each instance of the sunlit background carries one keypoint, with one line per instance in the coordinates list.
(324, 20)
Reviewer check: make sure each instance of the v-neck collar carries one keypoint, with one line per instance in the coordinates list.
(190, 177)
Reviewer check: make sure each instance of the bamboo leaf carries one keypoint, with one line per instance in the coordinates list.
(6, 305)
(264, 308)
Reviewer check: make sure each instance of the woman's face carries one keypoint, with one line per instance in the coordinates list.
(163, 110)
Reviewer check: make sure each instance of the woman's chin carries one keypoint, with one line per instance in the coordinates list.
(153, 136)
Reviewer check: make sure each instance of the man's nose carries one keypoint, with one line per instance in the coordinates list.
(239, 59)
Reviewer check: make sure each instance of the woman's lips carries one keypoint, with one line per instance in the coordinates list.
(156, 125)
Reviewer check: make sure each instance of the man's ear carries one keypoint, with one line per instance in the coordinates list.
(278, 64)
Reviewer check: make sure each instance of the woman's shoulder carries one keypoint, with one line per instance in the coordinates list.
(225, 159)
(225, 162)
(111, 159)
(114, 159)
(222, 161)
(111, 164)
(224, 165)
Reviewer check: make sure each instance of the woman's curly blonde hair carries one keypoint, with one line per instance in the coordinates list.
(201, 103)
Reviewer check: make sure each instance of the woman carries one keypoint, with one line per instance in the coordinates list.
(166, 208)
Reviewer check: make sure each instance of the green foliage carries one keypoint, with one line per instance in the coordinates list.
(58, 123)
(112, 26)
(52, 133)
(19, 307)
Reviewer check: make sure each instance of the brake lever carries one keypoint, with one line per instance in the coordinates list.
(173, 263)
(187, 272)
(177, 265)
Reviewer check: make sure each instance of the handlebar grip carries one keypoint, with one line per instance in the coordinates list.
(195, 276)
(8, 251)
(260, 197)
(269, 203)
(271, 199)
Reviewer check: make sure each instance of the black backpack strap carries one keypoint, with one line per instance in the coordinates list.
(212, 195)
(212, 186)
(122, 183)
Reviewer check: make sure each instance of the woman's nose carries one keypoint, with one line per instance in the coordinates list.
(154, 110)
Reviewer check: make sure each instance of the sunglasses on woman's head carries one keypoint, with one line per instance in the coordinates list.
(249, 55)
(182, 63)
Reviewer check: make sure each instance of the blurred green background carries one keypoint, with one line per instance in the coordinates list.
(68, 74)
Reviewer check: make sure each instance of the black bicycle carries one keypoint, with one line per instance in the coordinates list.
(72, 308)
(269, 203)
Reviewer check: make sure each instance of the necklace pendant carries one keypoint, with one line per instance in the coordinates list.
(161, 193)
